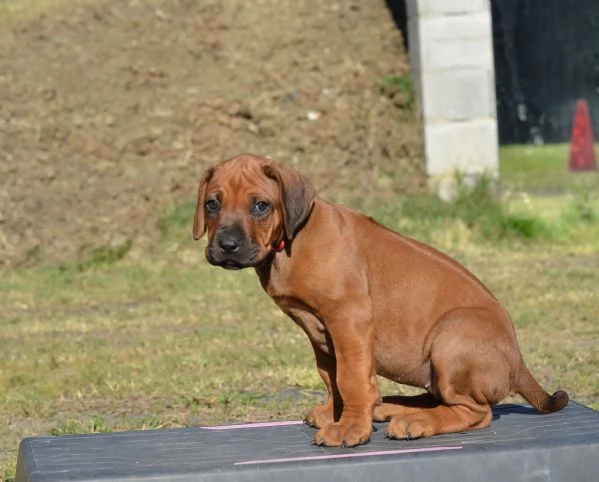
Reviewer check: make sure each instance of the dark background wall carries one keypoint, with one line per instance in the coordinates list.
(546, 58)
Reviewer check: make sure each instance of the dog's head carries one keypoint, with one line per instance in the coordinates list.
(248, 205)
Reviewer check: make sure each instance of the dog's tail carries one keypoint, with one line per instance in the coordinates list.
(535, 395)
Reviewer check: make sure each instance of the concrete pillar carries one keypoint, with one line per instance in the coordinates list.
(451, 52)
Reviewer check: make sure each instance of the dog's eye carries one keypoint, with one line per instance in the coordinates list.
(261, 207)
(212, 206)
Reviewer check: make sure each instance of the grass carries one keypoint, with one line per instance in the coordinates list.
(112, 342)
(542, 169)
(400, 88)
(477, 208)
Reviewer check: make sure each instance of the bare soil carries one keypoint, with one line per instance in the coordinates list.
(110, 110)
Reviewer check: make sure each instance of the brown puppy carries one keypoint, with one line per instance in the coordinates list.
(371, 302)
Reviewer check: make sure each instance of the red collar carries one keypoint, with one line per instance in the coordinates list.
(279, 247)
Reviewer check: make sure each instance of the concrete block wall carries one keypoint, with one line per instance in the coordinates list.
(451, 52)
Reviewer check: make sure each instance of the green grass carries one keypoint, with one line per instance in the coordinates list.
(400, 88)
(542, 169)
(535, 179)
(479, 209)
(114, 342)
(163, 341)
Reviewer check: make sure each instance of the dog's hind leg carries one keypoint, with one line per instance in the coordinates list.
(441, 419)
(399, 405)
(457, 413)
(474, 361)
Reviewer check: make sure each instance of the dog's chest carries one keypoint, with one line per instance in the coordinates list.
(297, 298)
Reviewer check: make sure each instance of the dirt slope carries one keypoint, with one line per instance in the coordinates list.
(110, 110)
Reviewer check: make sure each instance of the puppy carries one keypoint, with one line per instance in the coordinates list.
(371, 301)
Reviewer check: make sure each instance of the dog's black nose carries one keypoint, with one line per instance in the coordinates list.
(230, 240)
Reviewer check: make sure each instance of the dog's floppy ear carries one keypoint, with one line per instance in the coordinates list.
(297, 195)
(199, 224)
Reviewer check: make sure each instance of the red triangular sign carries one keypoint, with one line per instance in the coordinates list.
(582, 144)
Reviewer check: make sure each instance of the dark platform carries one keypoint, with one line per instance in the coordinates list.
(520, 445)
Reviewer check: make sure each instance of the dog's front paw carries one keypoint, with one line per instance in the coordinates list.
(320, 416)
(342, 434)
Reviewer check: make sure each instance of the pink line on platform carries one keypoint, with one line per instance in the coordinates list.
(348, 456)
(254, 425)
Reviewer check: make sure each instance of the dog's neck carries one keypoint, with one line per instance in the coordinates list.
(283, 251)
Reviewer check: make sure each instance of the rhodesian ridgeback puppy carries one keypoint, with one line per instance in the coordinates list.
(371, 302)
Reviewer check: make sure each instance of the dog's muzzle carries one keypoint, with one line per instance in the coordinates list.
(231, 248)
